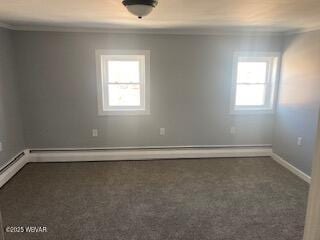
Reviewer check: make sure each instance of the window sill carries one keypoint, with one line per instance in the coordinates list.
(251, 112)
(124, 113)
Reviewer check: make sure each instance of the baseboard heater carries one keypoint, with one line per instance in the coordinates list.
(140, 153)
(13, 161)
(147, 148)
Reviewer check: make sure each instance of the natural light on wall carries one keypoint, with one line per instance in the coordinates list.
(254, 83)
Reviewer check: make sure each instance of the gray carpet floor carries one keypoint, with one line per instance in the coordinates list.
(216, 199)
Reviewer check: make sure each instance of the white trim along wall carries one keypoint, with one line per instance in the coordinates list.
(14, 165)
(134, 154)
(291, 168)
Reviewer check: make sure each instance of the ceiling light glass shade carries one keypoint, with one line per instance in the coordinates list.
(140, 8)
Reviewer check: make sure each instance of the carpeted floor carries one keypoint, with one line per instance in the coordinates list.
(216, 199)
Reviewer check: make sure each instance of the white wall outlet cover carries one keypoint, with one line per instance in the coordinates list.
(162, 131)
(299, 141)
(94, 132)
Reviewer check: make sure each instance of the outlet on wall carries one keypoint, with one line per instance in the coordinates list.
(162, 131)
(299, 141)
(0, 146)
(94, 132)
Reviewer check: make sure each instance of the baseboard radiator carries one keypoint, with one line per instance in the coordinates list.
(138, 153)
(13, 161)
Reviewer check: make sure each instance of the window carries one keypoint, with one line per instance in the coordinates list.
(254, 82)
(123, 82)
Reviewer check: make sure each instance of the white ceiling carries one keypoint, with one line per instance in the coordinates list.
(274, 15)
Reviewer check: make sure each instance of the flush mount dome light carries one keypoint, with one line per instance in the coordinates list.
(140, 8)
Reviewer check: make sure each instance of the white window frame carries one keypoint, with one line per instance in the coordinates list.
(143, 56)
(273, 60)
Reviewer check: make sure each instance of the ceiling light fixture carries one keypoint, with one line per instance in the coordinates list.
(140, 8)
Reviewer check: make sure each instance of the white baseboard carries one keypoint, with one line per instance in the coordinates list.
(291, 168)
(162, 147)
(87, 155)
(145, 154)
(13, 168)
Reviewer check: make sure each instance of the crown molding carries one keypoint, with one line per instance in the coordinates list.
(302, 31)
(193, 31)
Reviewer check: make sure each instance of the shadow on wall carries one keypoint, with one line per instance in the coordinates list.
(299, 100)
(11, 135)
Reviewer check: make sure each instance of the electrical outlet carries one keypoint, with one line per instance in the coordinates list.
(0, 146)
(299, 141)
(162, 131)
(94, 132)
(233, 130)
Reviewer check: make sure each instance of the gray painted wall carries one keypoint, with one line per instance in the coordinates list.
(190, 91)
(11, 134)
(299, 100)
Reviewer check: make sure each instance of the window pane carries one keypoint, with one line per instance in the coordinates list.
(252, 72)
(124, 95)
(250, 95)
(123, 71)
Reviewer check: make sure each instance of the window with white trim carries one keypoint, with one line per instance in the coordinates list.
(254, 82)
(123, 82)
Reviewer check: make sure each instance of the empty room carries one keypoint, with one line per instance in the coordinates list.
(159, 119)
